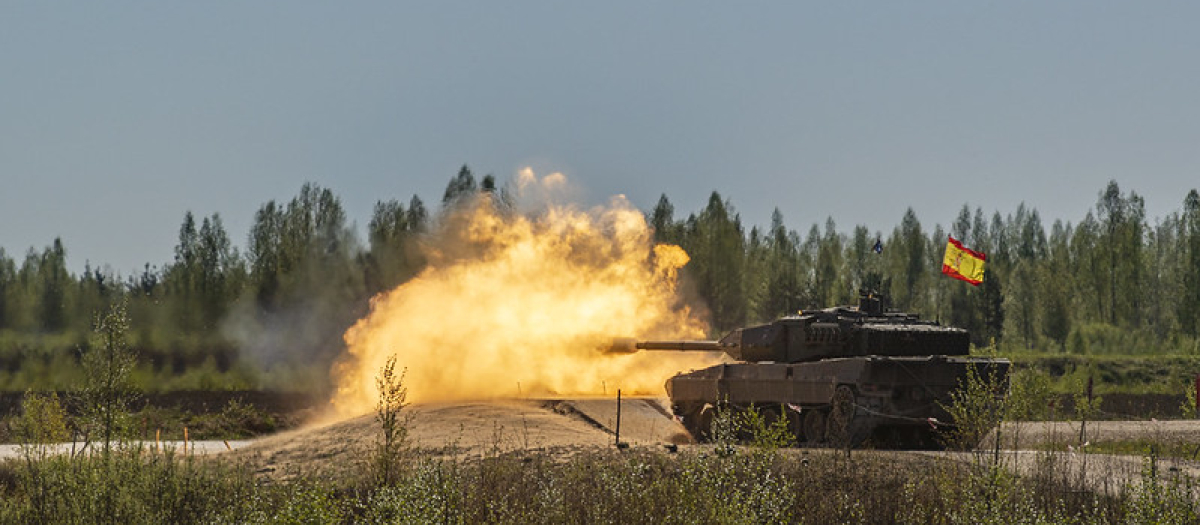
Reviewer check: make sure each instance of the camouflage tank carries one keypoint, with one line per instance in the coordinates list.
(841, 376)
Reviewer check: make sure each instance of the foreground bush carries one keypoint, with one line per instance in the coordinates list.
(136, 486)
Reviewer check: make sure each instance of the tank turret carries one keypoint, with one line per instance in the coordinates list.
(867, 329)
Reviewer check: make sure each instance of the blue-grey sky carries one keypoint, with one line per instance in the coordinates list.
(117, 117)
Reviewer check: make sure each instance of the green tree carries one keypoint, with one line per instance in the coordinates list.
(991, 299)
(1122, 225)
(1002, 241)
(861, 258)
(221, 271)
(418, 216)
(1088, 262)
(393, 255)
(939, 289)
(108, 390)
(306, 276)
(94, 290)
(828, 286)
(461, 186)
(662, 220)
(961, 229)
(205, 277)
(182, 279)
(717, 245)
(55, 280)
(1057, 279)
(757, 276)
(1031, 236)
(909, 249)
(1020, 303)
(1189, 247)
(8, 285)
(981, 237)
(785, 291)
(1161, 276)
(266, 254)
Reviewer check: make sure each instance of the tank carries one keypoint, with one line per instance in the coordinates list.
(842, 376)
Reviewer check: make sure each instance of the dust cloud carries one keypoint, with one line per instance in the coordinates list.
(519, 305)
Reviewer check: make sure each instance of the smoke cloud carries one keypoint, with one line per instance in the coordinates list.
(520, 305)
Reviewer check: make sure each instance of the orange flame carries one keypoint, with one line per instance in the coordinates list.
(515, 305)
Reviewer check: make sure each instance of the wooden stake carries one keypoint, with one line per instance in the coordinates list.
(618, 418)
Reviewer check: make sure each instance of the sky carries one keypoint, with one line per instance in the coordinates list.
(118, 117)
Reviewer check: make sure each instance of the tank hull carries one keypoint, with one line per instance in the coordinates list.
(891, 401)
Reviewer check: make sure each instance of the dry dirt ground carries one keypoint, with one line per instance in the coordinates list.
(468, 429)
(566, 427)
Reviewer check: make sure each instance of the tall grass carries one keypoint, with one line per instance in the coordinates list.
(601, 486)
(641, 485)
(753, 482)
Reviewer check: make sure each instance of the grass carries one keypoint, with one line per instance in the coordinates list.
(1126, 374)
(750, 485)
(236, 420)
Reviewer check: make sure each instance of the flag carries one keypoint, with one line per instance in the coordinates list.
(878, 248)
(963, 263)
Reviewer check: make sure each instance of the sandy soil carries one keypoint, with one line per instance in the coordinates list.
(564, 428)
(468, 429)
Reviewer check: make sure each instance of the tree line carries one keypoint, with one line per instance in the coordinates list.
(1111, 282)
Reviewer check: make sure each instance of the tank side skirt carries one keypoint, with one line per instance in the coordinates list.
(907, 389)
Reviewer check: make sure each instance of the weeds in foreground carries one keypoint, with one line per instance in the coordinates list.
(755, 484)
(1188, 406)
(977, 406)
(393, 421)
(602, 485)
(1155, 500)
(43, 422)
(108, 391)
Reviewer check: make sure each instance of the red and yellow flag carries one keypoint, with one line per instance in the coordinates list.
(963, 263)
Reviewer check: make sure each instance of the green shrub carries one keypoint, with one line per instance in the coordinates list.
(1162, 501)
(393, 420)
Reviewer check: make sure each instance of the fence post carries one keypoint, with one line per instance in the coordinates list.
(618, 418)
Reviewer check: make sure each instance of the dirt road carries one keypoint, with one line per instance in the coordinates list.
(465, 429)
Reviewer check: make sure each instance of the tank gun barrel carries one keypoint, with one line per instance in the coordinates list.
(702, 346)
(629, 346)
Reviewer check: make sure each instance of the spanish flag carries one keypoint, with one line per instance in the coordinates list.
(963, 263)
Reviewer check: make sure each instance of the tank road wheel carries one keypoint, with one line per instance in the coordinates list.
(814, 426)
(701, 426)
(696, 419)
(771, 414)
(840, 430)
(795, 425)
